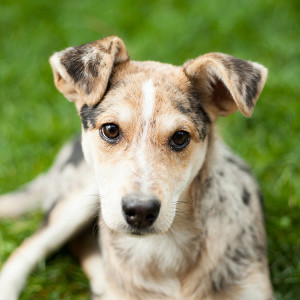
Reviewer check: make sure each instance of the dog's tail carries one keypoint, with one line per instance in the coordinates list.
(25, 199)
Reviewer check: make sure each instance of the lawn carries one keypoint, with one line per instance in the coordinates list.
(35, 120)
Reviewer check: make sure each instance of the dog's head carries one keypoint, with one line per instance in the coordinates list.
(146, 124)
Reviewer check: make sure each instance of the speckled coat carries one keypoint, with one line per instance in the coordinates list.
(208, 239)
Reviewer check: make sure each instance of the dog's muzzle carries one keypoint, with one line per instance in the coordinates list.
(140, 211)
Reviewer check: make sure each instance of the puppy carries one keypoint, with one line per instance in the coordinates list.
(179, 215)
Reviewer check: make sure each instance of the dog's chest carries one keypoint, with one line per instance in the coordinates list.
(148, 266)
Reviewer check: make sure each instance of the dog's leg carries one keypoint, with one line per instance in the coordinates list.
(67, 217)
(25, 199)
(85, 247)
(256, 286)
(93, 267)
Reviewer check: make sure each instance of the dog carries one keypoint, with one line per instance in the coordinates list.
(179, 215)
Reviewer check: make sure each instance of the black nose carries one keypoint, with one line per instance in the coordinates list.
(140, 212)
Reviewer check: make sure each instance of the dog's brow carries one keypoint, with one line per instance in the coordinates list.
(196, 113)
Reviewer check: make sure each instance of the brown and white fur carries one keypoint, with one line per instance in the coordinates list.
(208, 239)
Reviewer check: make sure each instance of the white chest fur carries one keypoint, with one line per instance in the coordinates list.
(149, 264)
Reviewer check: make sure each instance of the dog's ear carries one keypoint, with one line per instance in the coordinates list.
(224, 83)
(82, 73)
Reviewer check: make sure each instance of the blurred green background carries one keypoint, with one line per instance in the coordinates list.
(35, 120)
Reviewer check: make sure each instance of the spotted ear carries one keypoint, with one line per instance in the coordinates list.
(82, 73)
(224, 83)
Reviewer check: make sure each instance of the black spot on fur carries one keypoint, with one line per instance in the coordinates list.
(224, 276)
(251, 88)
(88, 87)
(83, 73)
(88, 116)
(222, 198)
(197, 114)
(239, 66)
(203, 132)
(72, 61)
(199, 110)
(240, 256)
(218, 285)
(248, 77)
(76, 156)
(208, 182)
(184, 109)
(246, 197)
(243, 167)
(46, 219)
(221, 281)
(258, 245)
(93, 66)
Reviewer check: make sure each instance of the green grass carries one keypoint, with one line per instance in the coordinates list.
(35, 119)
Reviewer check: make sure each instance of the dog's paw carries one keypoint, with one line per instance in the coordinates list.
(9, 287)
(8, 293)
(96, 293)
(96, 296)
(105, 296)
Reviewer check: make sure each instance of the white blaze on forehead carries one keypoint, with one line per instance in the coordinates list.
(147, 112)
(148, 99)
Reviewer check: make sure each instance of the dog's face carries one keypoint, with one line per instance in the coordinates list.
(146, 124)
(143, 144)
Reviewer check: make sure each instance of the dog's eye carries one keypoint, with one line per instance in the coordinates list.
(110, 132)
(179, 140)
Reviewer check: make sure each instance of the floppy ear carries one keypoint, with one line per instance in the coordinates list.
(224, 83)
(82, 73)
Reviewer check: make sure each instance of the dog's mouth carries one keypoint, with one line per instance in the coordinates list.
(140, 232)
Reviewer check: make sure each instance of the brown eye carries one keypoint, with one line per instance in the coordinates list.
(110, 132)
(179, 140)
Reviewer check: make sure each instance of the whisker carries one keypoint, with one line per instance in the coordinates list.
(181, 201)
(178, 210)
